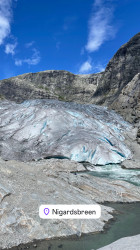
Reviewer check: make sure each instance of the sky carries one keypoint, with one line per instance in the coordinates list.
(79, 36)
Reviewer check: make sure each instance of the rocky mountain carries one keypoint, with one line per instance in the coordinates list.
(118, 87)
(43, 141)
(121, 69)
(128, 101)
(50, 84)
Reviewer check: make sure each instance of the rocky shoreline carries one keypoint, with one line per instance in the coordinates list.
(96, 239)
(51, 181)
(48, 242)
(24, 186)
(128, 243)
(42, 143)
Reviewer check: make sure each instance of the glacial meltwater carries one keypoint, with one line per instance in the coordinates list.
(126, 220)
(126, 223)
(115, 171)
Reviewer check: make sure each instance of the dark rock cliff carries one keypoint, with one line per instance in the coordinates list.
(119, 72)
(118, 87)
(128, 101)
(50, 84)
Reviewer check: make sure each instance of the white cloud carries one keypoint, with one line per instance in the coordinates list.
(34, 60)
(85, 67)
(99, 68)
(5, 29)
(10, 48)
(5, 19)
(91, 67)
(98, 3)
(100, 27)
(28, 45)
(18, 62)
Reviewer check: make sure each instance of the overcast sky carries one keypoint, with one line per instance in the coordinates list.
(80, 36)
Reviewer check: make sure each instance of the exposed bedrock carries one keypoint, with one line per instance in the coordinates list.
(128, 101)
(127, 243)
(50, 84)
(118, 87)
(120, 71)
(26, 186)
(49, 128)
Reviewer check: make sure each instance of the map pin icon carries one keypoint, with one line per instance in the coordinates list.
(46, 211)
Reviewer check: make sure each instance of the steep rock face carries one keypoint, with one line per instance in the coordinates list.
(45, 128)
(119, 72)
(128, 101)
(50, 84)
(117, 87)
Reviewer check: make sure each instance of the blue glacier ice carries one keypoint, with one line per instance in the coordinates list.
(39, 129)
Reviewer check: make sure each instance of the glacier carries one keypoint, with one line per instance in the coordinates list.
(40, 129)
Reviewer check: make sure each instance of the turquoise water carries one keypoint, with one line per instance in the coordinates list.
(115, 171)
(127, 223)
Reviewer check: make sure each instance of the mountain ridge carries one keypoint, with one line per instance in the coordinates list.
(106, 88)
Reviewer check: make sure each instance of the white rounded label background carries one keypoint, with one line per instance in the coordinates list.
(70, 211)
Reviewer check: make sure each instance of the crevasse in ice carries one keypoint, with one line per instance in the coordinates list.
(39, 129)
